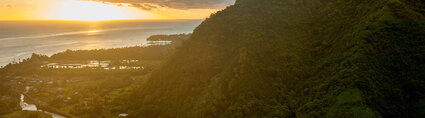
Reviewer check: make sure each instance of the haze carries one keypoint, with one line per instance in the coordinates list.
(98, 10)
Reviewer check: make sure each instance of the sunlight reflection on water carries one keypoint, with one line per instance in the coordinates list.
(21, 39)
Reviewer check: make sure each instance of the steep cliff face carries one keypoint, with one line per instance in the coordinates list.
(295, 58)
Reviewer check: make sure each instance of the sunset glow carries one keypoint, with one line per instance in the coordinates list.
(96, 11)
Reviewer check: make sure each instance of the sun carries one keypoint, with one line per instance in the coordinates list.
(95, 11)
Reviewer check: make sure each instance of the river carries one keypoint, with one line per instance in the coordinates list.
(31, 107)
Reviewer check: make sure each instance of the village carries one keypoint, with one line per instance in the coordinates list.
(80, 84)
(68, 94)
(75, 88)
(94, 64)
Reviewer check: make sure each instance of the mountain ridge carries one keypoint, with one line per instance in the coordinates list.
(295, 58)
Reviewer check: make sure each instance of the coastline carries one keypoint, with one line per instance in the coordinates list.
(49, 39)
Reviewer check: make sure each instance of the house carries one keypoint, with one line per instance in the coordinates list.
(73, 65)
(59, 89)
(129, 61)
(93, 64)
(50, 65)
(123, 115)
(104, 64)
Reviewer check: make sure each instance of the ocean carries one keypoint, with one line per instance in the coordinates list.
(19, 39)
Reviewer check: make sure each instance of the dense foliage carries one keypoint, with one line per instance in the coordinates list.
(295, 58)
(68, 90)
(257, 58)
(8, 99)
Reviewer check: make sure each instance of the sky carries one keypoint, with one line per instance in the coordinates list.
(97, 10)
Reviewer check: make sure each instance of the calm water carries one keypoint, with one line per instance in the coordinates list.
(19, 39)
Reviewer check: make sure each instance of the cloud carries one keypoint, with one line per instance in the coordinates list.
(8, 5)
(143, 6)
(176, 4)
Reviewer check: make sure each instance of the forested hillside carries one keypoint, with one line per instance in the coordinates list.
(295, 58)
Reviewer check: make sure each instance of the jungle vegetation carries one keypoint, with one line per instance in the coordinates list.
(295, 58)
(276, 58)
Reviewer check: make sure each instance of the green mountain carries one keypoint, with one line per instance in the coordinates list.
(295, 58)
